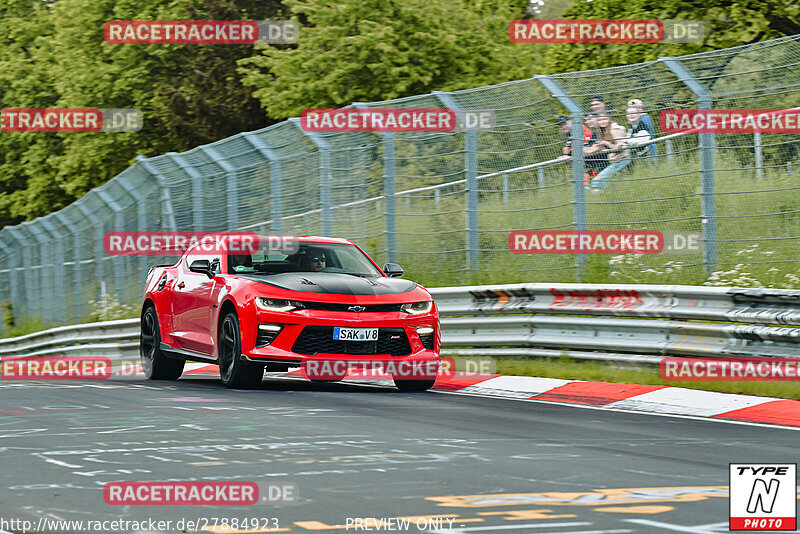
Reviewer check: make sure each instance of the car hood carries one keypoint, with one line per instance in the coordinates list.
(334, 283)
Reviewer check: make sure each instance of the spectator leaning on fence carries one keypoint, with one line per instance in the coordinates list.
(647, 121)
(565, 125)
(596, 158)
(598, 103)
(611, 137)
(638, 133)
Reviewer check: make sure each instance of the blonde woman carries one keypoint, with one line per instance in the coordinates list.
(612, 137)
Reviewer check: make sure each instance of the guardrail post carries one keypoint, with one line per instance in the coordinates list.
(13, 263)
(670, 151)
(325, 177)
(76, 236)
(505, 188)
(274, 177)
(197, 189)
(578, 165)
(541, 177)
(707, 149)
(58, 265)
(471, 175)
(758, 147)
(168, 215)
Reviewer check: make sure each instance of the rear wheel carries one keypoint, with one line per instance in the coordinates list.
(155, 363)
(235, 372)
(414, 385)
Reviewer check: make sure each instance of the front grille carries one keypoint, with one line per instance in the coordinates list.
(335, 306)
(314, 339)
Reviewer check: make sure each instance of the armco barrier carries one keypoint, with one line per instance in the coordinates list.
(624, 323)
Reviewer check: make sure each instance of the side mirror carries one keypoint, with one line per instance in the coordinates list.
(392, 269)
(202, 267)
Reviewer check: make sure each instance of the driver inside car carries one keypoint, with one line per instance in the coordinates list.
(315, 260)
(240, 262)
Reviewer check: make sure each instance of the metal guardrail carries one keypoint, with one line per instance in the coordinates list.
(623, 323)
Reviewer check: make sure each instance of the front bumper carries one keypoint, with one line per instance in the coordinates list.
(284, 347)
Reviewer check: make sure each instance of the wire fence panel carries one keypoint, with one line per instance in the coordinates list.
(443, 204)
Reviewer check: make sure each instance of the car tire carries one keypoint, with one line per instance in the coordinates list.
(235, 372)
(414, 385)
(155, 364)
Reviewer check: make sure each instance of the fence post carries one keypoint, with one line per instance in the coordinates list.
(13, 262)
(759, 154)
(43, 283)
(707, 148)
(197, 189)
(670, 151)
(274, 177)
(231, 187)
(119, 278)
(28, 286)
(389, 195)
(98, 238)
(325, 172)
(76, 236)
(166, 200)
(141, 219)
(471, 174)
(58, 265)
(578, 166)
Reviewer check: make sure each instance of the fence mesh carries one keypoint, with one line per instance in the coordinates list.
(443, 204)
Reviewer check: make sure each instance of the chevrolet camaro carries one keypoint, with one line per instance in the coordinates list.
(323, 302)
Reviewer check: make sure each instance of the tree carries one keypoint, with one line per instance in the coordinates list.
(729, 23)
(369, 50)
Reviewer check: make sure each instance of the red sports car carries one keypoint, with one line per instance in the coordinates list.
(325, 302)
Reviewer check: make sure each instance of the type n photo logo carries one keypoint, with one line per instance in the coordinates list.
(763, 497)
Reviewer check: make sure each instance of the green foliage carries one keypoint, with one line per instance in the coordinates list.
(54, 55)
(370, 50)
(728, 24)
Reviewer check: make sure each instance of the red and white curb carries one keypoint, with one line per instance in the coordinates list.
(666, 400)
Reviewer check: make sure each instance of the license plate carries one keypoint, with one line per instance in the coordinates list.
(355, 334)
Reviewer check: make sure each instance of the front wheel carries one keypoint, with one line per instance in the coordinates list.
(414, 385)
(155, 364)
(235, 372)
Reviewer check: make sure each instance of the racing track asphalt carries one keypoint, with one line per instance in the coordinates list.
(359, 451)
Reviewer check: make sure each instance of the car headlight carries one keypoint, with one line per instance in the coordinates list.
(278, 305)
(417, 308)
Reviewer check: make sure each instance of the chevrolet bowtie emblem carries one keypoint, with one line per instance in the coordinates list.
(356, 308)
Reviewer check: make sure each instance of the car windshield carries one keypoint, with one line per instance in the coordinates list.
(311, 257)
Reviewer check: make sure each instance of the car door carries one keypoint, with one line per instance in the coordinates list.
(193, 300)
